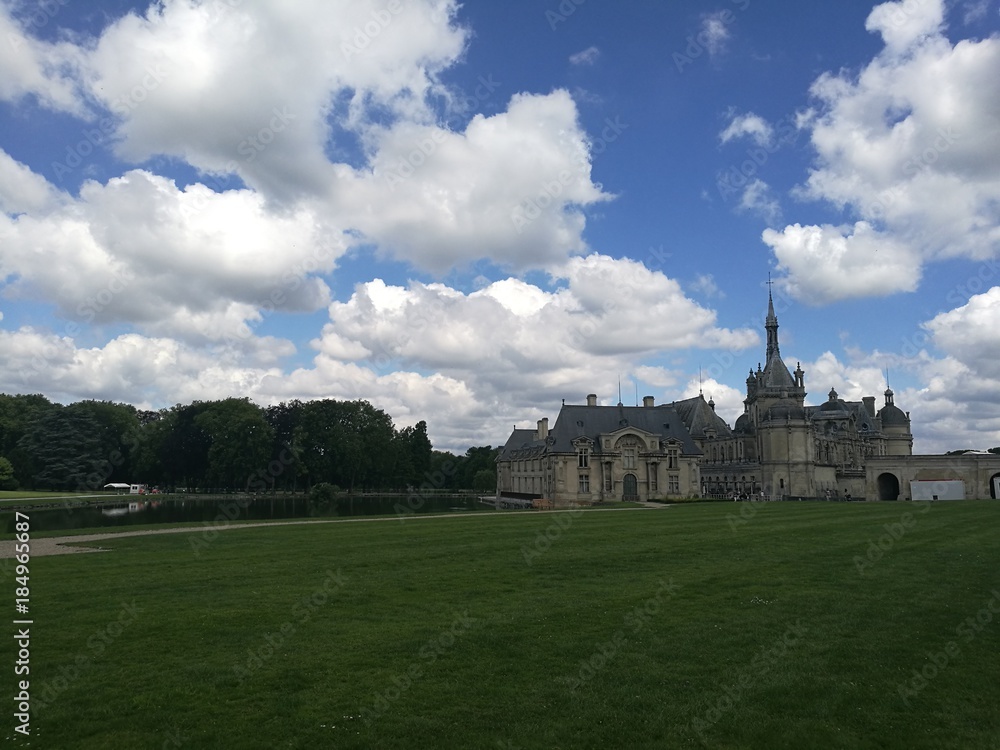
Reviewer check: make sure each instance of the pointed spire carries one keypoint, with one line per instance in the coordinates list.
(771, 323)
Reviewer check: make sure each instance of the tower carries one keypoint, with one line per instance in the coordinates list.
(777, 418)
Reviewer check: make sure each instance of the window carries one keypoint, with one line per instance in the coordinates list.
(607, 477)
(583, 458)
(584, 484)
(628, 458)
(672, 458)
(674, 484)
(652, 477)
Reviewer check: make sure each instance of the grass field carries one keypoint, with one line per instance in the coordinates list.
(784, 625)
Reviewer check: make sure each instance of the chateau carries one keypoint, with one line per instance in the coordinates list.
(779, 447)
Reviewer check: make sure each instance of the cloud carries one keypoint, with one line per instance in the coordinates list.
(826, 263)
(585, 57)
(705, 284)
(35, 68)
(210, 83)
(903, 24)
(748, 125)
(714, 31)
(511, 188)
(975, 11)
(969, 334)
(757, 198)
(23, 191)
(524, 346)
(191, 263)
(909, 147)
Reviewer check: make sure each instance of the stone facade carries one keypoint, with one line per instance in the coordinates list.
(779, 447)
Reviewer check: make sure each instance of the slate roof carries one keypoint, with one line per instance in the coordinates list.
(776, 375)
(576, 421)
(698, 416)
(522, 443)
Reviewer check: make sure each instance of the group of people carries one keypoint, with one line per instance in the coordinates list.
(832, 495)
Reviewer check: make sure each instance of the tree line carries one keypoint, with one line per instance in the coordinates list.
(226, 445)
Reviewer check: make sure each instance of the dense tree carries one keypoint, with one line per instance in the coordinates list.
(16, 413)
(118, 434)
(7, 479)
(66, 451)
(228, 444)
(286, 467)
(184, 446)
(417, 453)
(240, 441)
(348, 443)
(485, 481)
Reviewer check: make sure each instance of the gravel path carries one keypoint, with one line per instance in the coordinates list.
(63, 545)
(66, 545)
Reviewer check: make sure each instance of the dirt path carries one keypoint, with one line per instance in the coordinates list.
(66, 545)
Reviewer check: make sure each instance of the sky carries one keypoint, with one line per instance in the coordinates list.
(468, 213)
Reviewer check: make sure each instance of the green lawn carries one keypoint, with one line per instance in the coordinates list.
(687, 626)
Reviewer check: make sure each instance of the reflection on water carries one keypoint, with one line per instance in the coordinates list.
(234, 508)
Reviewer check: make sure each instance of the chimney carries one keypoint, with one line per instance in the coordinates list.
(869, 405)
(591, 399)
(543, 429)
(647, 400)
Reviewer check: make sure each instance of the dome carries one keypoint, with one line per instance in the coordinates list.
(742, 424)
(834, 404)
(893, 416)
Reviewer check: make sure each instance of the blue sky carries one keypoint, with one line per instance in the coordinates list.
(467, 213)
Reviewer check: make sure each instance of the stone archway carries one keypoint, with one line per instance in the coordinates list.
(630, 487)
(888, 487)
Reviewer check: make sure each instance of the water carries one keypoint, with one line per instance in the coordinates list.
(130, 512)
